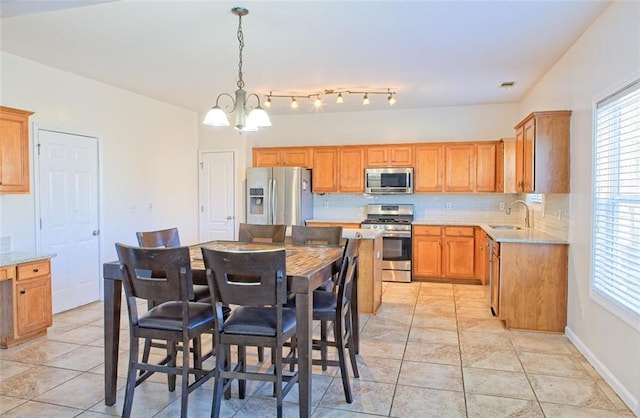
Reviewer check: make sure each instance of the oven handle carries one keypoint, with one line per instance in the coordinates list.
(396, 234)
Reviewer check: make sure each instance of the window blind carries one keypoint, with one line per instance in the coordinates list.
(616, 233)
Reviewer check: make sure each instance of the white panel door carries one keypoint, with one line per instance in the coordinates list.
(217, 195)
(68, 211)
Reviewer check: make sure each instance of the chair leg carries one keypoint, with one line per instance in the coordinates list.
(227, 365)
(221, 364)
(197, 353)
(278, 367)
(323, 347)
(172, 352)
(260, 354)
(352, 345)
(242, 363)
(184, 395)
(146, 352)
(340, 344)
(131, 377)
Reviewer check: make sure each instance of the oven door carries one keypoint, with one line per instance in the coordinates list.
(396, 256)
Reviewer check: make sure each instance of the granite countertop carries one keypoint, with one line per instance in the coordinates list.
(338, 221)
(350, 232)
(16, 257)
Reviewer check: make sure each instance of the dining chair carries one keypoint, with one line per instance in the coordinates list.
(334, 309)
(256, 282)
(261, 233)
(322, 235)
(163, 275)
(166, 238)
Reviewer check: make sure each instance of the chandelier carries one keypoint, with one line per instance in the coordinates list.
(245, 120)
(317, 97)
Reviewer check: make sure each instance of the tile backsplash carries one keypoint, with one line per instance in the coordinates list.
(472, 208)
(5, 244)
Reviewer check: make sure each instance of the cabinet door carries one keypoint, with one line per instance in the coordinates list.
(486, 167)
(519, 158)
(427, 256)
(33, 305)
(14, 150)
(351, 170)
(400, 156)
(480, 257)
(528, 156)
(458, 257)
(495, 282)
(295, 157)
(428, 168)
(377, 156)
(460, 167)
(266, 157)
(325, 170)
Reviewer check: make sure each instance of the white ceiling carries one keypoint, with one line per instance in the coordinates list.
(433, 53)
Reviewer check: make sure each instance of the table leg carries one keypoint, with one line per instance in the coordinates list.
(304, 304)
(112, 304)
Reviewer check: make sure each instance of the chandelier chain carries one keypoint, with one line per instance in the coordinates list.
(240, 82)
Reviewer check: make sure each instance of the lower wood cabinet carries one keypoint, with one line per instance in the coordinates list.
(25, 299)
(444, 251)
(529, 286)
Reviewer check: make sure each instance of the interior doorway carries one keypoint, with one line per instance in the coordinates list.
(217, 195)
(67, 214)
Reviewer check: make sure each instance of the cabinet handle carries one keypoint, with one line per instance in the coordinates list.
(22, 292)
(35, 270)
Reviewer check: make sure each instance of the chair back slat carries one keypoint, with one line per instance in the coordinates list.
(323, 235)
(261, 233)
(158, 274)
(248, 278)
(164, 238)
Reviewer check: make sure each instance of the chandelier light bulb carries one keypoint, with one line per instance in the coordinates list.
(267, 103)
(365, 99)
(340, 99)
(294, 103)
(391, 100)
(317, 103)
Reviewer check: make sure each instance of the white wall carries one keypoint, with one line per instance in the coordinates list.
(605, 55)
(148, 153)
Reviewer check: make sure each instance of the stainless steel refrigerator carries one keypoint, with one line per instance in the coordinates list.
(279, 195)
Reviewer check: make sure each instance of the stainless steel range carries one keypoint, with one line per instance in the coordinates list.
(395, 222)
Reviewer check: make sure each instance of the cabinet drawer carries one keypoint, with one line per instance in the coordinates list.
(426, 230)
(458, 231)
(35, 269)
(7, 273)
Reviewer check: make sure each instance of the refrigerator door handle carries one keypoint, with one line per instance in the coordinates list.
(274, 203)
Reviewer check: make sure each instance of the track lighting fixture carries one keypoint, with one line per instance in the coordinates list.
(317, 97)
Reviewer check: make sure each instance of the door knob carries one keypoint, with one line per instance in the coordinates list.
(96, 232)
(229, 218)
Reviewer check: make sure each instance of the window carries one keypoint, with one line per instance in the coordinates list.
(616, 215)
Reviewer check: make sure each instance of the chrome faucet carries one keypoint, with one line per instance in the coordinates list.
(527, 224)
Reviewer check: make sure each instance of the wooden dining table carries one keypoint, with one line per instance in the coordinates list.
(308, 266)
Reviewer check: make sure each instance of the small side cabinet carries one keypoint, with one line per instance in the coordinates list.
(25, 302)
(14, 150)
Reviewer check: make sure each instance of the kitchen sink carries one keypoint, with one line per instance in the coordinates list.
(511, 227)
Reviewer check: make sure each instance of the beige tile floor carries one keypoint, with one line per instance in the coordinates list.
(432, 350)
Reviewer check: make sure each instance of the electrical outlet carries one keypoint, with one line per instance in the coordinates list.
(559, 214)
(501, 205)
(447, 205)
(325, 204)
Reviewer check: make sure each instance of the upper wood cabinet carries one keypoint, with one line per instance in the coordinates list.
(390, 156)
(282, 157)
(351, 170)
(325, 170)
(542, 152)
(14, 150)
(486, 167)
(459, 167)
(428, 168)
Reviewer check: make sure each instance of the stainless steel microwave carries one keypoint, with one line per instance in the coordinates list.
(390, 180)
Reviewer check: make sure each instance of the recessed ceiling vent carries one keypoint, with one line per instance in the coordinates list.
(507, 84)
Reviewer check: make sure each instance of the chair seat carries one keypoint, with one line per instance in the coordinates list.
(168, 316)
(258, 321)
(201, 293)
(323, 302)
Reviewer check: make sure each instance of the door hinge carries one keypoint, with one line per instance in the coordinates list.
(40, 223)
(38, 145)
(201, 208)
(201, 165)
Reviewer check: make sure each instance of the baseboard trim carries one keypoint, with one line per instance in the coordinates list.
(627, 397)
